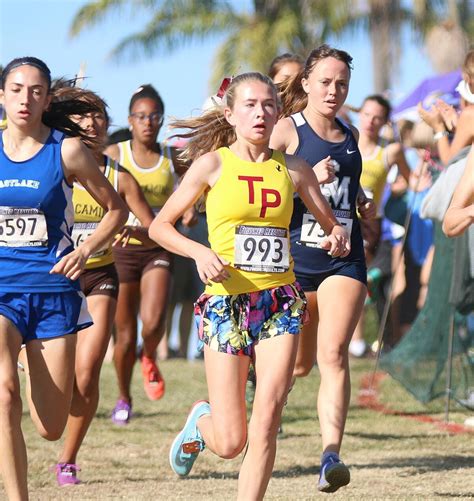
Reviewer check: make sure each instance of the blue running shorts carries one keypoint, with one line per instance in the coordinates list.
(355, 269)
(43, 315)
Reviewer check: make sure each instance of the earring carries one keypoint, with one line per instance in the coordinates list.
(130, 128)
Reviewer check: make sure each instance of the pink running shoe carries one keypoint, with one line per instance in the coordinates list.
(153, 381)
(122, 412)
(66, 474)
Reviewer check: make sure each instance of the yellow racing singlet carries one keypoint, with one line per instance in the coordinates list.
(157, 182)
(88, 214)
(248, 214)
(374, 173)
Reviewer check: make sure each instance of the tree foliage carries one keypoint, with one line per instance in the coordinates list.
(251, 39)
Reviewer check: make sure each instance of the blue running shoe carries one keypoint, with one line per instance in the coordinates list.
(189, 443)
(334, 473)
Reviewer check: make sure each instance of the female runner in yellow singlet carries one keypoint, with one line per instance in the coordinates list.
(99, 281)
(252, 307)
(144, 273)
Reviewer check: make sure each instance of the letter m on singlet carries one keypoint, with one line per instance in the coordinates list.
(339, 193)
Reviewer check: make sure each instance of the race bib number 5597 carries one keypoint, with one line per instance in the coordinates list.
(261, 249)
(22, 227)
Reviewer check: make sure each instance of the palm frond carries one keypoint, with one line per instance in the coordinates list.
(94, 12)
(226, 61)
(169, 30)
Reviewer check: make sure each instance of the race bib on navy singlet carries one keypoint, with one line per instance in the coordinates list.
(261, 249)
(22, 227)
(312, 234)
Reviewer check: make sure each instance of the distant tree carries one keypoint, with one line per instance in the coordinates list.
(447, 38)
(253, 38)
(443, 27)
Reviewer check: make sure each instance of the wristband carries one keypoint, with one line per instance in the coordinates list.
(440, 134)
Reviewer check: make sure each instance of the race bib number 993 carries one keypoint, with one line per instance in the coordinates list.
(22, 227)
(261, 249)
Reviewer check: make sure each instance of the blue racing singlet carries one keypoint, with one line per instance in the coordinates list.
(305, 232)
(36, 218)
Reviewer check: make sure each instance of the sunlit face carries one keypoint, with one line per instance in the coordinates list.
(287, 70)
(372, 118)
(25, 96)
(327, 86)
(254, 113)
(145, 119)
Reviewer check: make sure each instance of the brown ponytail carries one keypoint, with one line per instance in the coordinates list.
(292, 96)
(67, 101)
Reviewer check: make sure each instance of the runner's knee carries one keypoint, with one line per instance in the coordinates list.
(230, 443)
(10, 400)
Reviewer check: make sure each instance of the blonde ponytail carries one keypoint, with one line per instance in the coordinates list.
(211, 130)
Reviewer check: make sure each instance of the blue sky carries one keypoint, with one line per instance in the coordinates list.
(40, 28)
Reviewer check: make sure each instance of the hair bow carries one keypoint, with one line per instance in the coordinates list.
(224, 86)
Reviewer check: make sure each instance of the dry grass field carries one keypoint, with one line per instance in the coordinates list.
(390, 456)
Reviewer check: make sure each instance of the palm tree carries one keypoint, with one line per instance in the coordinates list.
(447, 40)
(382, 20)
(252, 38)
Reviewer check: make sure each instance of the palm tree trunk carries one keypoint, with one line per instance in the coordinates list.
(384, 32)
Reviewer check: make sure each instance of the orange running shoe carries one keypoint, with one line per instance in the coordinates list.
(153, 381)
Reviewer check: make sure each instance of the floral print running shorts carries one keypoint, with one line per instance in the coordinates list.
(234, 323)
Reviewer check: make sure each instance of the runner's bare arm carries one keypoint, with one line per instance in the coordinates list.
(460, 213)
(202, 174)
(79, 164)
(132, 194)
(113, 152)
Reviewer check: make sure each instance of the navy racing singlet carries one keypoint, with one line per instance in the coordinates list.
(36, 218)
(305, 232)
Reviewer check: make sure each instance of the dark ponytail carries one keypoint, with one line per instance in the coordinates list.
(67, 101)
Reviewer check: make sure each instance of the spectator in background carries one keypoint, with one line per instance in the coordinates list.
(411, 264)
(378, 157)
(460, 214)
(444, 120)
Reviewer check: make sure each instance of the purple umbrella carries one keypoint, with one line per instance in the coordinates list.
(430, 89)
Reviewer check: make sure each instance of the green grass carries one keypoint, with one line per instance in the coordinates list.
(391, 457)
